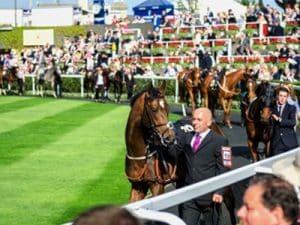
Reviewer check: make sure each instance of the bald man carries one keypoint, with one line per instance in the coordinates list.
(205, 154)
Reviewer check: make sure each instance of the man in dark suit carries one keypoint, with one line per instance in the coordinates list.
(205, 156)
(284, 115)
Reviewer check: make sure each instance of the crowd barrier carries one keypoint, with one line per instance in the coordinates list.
(150, 209)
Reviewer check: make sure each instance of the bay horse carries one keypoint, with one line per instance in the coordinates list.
(117, 80)
(89, 82)
(225, 93)
(189, 85)
(259, 123)
(50, 75)
(148, 126)
(8, 76)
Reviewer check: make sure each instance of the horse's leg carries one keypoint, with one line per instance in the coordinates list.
(157, 189)
(227, 112)
(138, 191)
(190, 94)
(253, 149)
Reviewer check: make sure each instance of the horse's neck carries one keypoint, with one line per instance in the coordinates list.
(231, 81)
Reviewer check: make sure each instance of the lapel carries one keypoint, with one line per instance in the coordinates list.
(206, 140)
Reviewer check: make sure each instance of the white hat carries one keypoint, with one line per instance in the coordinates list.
(289, 169)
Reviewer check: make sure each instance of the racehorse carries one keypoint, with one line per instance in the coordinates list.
(117, 79)
(51, 75)
(148, 126)
(249, 97)
(189, 85)
(259, 123)
(205, 86)
(89, 82)
(225, 93)
(9, 76)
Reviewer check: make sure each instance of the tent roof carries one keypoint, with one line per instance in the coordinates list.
(153, 3)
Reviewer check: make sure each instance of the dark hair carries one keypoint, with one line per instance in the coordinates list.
(278, 192)
(281, 88)
(106, 215)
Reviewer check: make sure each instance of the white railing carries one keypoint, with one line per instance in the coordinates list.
(81, 77)
(33, 79)
(149, 208)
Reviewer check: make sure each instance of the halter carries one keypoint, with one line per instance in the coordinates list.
(149, 123)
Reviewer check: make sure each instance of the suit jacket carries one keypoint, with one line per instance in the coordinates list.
(284, 136)
(206, 163)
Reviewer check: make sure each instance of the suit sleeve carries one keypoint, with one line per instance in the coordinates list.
(290, 120)
(220, 168)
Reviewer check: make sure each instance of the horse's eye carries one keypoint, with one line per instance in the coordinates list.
(162, 103)
(170, 125)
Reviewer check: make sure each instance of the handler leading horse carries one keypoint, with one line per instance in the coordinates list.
(147, 126)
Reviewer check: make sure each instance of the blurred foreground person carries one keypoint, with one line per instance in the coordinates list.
(106, 215)
(269, 200)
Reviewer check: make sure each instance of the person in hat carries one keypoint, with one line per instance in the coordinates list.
(269, 200)
(289, 169)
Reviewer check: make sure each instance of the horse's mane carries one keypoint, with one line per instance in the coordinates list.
(136, 96)
(153, 92)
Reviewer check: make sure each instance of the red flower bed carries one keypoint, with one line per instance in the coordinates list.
(275, 40)
(159, 59)
(206, 43)
(189, 43)
(291, 22)
(233, 27)
(251, 25)
(184, 29)
(292, 40)
(282, 59)
(223, 60)
(188, 60)
(220, 42)
(128, 59)
(239, 59)
(158, 44)
(167, 30)
(219, 27)
(146, 59)
(174, 59)
(174, 43)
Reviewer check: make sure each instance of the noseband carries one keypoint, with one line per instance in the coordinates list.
(149, 123)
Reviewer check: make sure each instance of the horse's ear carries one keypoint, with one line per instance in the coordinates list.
(162, 87)
(150, 86)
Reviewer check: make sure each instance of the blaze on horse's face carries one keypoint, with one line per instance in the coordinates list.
(267, 101)
(155, 116)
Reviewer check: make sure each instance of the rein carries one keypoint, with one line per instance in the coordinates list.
(223, 88)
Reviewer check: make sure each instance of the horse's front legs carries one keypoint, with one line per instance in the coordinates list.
(253, 149)
(138, 191)
(157, 189)
(226, 105)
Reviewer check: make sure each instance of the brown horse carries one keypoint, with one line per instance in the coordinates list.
(148, 126)
(226, 92)
(205, 87)
(9, 76)
(189, 85)
(259, 124)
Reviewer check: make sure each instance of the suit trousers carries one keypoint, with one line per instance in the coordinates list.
(192, 213)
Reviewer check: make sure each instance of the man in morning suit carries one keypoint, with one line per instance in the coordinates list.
(205, 156)
(284, 116)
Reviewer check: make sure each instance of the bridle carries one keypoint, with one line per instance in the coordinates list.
(149, 123)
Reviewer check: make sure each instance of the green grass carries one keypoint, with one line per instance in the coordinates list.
(60, 157)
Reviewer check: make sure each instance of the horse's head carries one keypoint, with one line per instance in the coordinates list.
(267, 100)
(155, 115)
